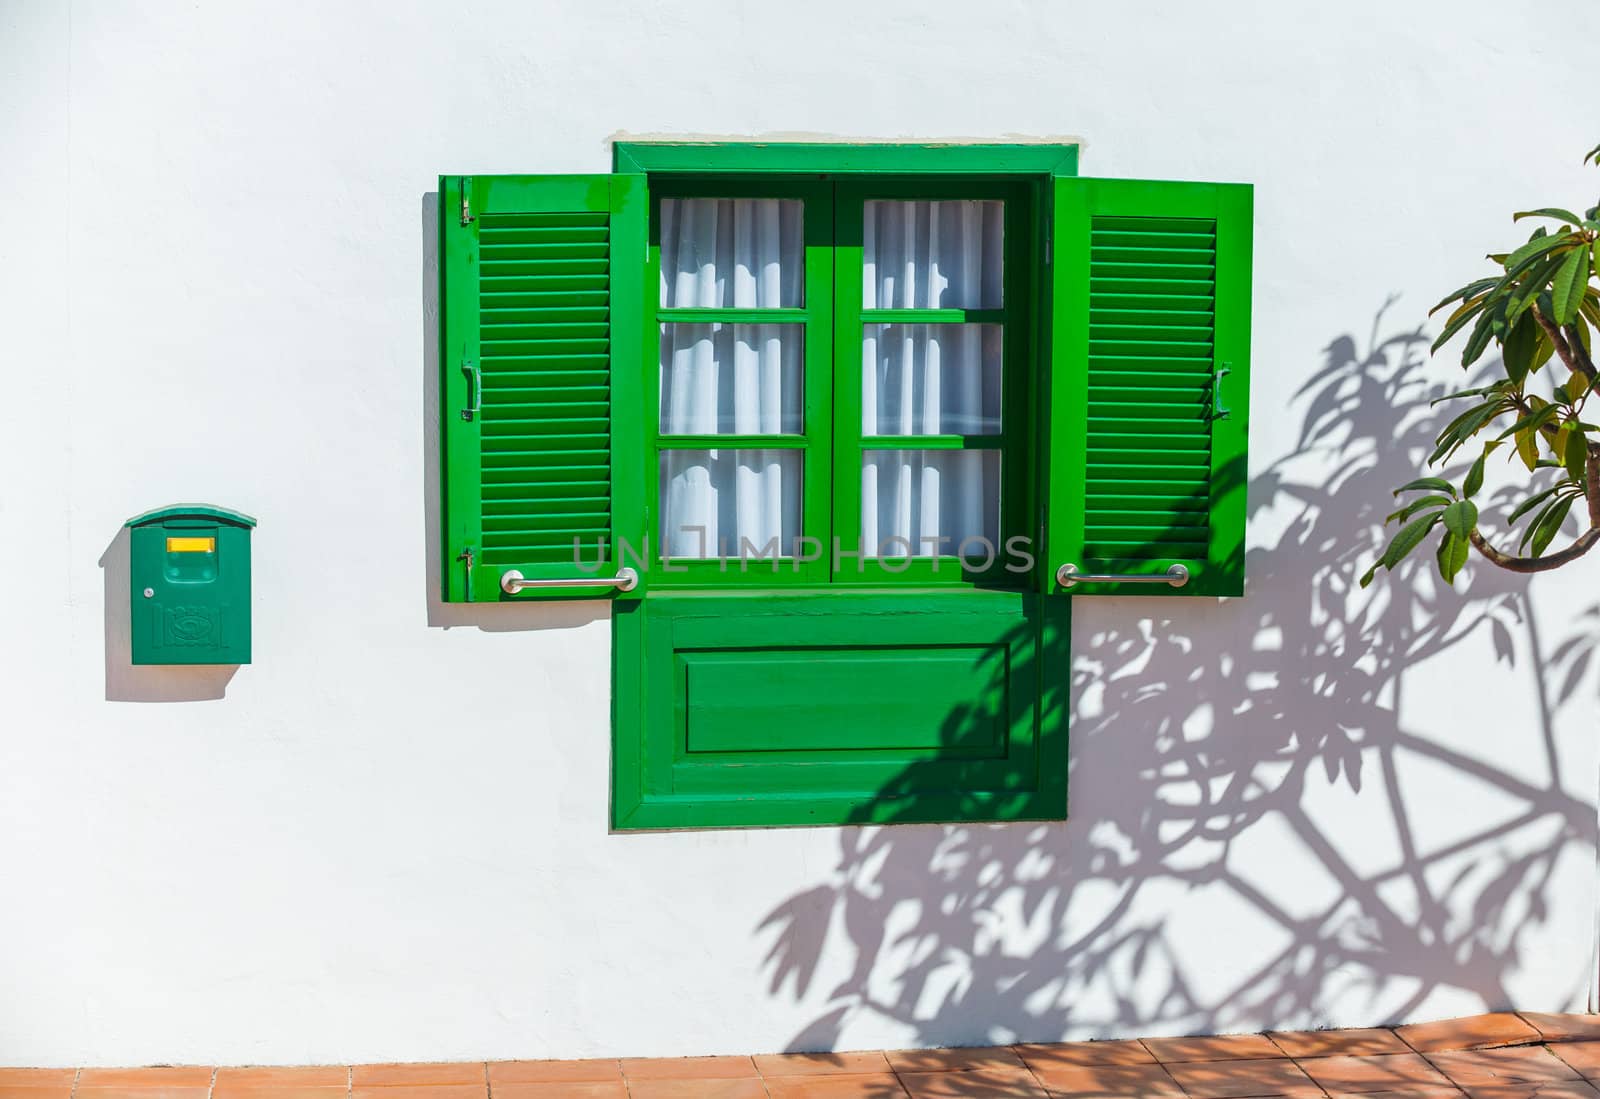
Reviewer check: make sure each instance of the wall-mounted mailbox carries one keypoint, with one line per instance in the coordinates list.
(190, 570)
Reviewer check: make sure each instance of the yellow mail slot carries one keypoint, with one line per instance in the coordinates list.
(191, 545)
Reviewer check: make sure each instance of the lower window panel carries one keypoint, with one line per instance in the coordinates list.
(782, 710)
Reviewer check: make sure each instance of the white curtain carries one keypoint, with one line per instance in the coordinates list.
(730, 503)
(931, 379)
(732, 253)
(731, 378)
(944, 254)
(910, 499)
(741, 379)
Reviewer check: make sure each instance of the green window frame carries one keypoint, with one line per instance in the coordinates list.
(834, 440)
(735, 695)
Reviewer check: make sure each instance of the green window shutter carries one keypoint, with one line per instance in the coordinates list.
(541, 283)
(1150, 383)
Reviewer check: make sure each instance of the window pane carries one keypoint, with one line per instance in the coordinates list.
(730, 503)
(721, 379)
(933, 255)
(731, 253)
(930, 379)
(911, 499)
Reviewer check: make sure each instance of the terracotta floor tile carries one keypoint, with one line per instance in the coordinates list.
(1346, 1075)
(35, 1091)
(1108, 1082)
(1502, 1028)
(436, 1072)
(866, 1085)
(1583, 1056)
(1221, 1047)
(563, 1089)
(279, 1091)
(1227, 1079)
(153, 1091)
(1338, 1043)
(821, 1064)
(1001, 1083)
(306, 1076)
(1563, 1028)
(598, 1070)
(1550, 1089)
(954, 1060)
(421, 1091)
(37, 1077)
(165, 1075)
(747, 1087)
(1085, 1053)
(1415, 1091)
(687, 1068)
(1477, 1067)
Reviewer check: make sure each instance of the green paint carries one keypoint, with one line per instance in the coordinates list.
(835, 158)
(826, 707)
(729, 699)
(1151, 295)
(801, 695)
(539, 306)
(189, 585)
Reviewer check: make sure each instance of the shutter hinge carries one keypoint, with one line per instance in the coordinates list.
(1047, 251)
(466, 205)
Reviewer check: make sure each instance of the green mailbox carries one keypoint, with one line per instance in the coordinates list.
(189, 566)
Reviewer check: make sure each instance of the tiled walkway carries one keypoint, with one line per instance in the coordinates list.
(1503, 1056)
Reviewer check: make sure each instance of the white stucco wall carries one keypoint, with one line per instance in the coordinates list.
(388, 840)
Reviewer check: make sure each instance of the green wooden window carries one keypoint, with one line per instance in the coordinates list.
(1103, 347)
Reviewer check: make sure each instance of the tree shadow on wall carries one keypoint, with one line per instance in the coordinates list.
(1240, 771)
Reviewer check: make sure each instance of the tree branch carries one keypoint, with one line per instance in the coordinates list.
(1556, 339)
(1582, 363)
(1586, 542)
(1591, 484)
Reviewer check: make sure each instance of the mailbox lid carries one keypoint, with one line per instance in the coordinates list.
(210, 512)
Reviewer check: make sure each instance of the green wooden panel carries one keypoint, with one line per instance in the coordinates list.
(942, 713)
(1147, 422)
(541, 301)
(837, 158)
(929, 701)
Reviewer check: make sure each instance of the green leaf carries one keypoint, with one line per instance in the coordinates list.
(1528, 447)
(1527, 290)
(1436, 484)
(1409, 537)
(1458, 320)
(1549, 524)
(1471, 290)
(1548, 212)
(1530, 503)
(1481, 335)
(1593, 154)
(1474, 480)
(1451, 555)
(1538, 244)
(1432, 500)
(1519, 347)
(1575, 453)
(1533, 421)
(1568, 285)
(1460, 517)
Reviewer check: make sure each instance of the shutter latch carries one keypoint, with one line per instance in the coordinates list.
(466, 205)
(469, 367)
